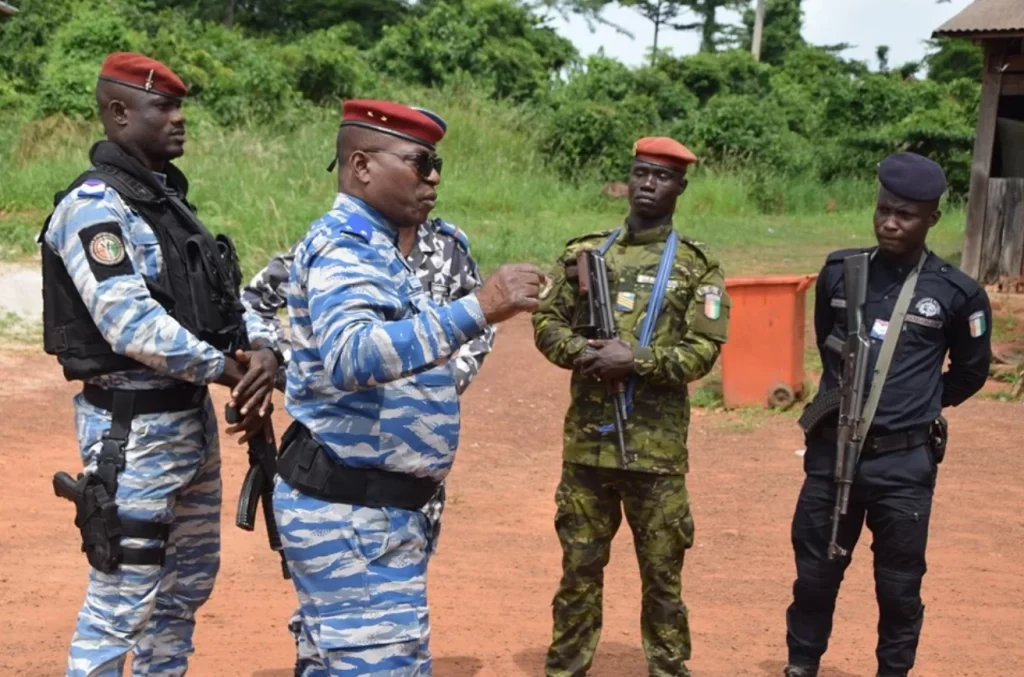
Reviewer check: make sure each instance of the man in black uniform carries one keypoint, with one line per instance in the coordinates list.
(895, 479)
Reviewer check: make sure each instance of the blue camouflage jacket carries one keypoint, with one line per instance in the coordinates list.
(370, 372)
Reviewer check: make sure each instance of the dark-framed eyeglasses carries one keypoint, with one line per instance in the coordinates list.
(425, 163)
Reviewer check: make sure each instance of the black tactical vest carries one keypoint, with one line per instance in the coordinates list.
(198, 285)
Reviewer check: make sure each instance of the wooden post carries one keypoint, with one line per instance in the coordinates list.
(755, 43)
(1006, 212)
(981, 165)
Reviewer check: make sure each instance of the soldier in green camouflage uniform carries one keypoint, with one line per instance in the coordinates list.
(690, 329)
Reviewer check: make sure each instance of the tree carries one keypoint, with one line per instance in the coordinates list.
(882, 52)
(663, 14)
(659, 12)
(952, 59)
(294, 16)
(712, 32)
(783, 22)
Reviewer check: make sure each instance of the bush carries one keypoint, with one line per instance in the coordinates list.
(68, 82)
(25, 42)
(749, 131)
(327, 66)
(706, 75)
(586, 138)
(499, 43)
(238, 79)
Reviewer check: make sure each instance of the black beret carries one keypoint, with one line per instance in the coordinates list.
(912, 177)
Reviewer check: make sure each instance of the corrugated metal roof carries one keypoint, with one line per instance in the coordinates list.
(7, 10)
(986, 16)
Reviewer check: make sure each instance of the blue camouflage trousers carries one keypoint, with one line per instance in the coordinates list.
(360, 576)
(172, 476)
(306, 654)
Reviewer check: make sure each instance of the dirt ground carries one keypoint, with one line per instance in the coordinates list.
(499, 560)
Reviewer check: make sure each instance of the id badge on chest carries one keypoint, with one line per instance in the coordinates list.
(879, 329)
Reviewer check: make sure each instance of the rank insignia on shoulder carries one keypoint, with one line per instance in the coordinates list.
(92, 188)
(977, 324)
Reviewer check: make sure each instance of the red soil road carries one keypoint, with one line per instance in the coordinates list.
(499, 560)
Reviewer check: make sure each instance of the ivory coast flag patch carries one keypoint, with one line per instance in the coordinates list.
(712, 306)
(977, 323)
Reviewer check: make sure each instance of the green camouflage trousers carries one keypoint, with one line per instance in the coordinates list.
(657, 509)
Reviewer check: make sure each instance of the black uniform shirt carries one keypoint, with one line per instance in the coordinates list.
(948, 312)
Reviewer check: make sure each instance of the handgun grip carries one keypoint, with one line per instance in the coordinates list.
(65, 487)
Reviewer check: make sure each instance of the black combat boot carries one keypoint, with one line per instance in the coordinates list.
(800, 671)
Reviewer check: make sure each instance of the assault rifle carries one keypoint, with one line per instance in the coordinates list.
(598, 322)
(259, 479)
(854, 353)
(259, 484)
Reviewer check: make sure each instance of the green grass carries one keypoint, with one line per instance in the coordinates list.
(15, 330)
(263, 186)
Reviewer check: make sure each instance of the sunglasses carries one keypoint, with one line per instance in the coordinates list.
(425, 163)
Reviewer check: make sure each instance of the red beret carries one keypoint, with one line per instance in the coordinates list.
(141, 72)
(393, 118)
(662, 150)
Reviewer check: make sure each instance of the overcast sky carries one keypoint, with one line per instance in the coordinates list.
(901, 24)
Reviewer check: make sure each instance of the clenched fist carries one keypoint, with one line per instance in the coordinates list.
(512, 289)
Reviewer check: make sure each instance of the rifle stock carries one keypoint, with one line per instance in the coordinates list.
(849, 434)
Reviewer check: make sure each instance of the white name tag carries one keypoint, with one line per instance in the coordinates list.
(647, 279)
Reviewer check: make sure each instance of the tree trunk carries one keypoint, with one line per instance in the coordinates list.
(755, 43)
(229, 13)
(657, 27)
(707, 41)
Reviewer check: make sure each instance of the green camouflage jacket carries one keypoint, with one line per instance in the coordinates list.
(688, 336)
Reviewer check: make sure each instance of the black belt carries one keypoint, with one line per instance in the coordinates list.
(307, 466)
(876, 445)
(177, 398)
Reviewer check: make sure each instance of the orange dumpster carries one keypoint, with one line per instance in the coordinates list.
(763, 362)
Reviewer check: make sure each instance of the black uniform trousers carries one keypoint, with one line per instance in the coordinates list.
(893, 494)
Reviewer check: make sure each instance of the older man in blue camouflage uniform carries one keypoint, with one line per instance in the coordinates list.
(373, 392)
(116, 261)
(438, 253)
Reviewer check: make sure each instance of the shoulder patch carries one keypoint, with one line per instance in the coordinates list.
(453, 231)
(838, 256)
(105, 251)
(91, 188)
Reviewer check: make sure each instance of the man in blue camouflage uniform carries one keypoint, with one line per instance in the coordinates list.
(372, 389)
(438, 253)
(107, 269)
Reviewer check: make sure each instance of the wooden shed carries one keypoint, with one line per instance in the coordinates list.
(993, 249)
(6, 10)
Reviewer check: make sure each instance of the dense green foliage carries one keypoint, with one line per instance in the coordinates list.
(803, 111)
